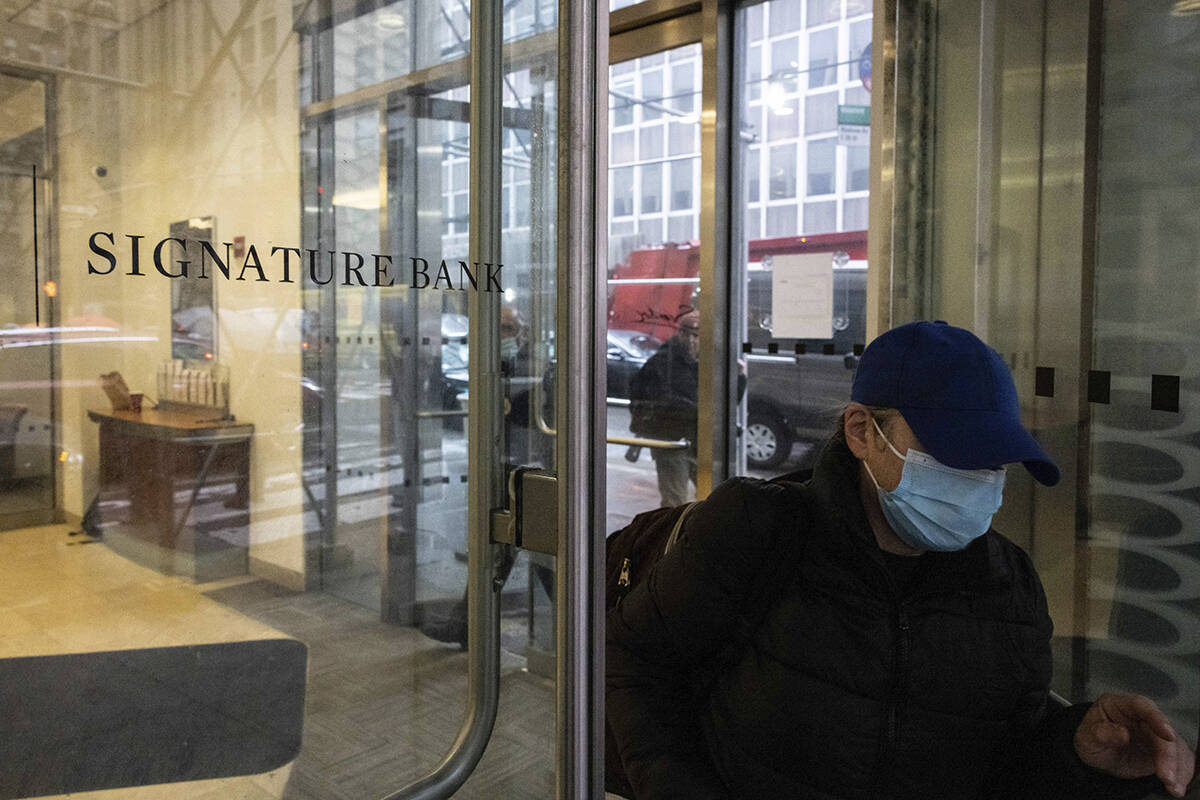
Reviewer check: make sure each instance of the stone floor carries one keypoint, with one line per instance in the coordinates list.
(383, 703)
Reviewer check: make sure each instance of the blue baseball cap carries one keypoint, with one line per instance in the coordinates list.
(956, 394)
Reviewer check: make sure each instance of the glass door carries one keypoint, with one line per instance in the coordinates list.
(28, 335)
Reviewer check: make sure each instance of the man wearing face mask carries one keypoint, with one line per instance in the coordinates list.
(865, 634)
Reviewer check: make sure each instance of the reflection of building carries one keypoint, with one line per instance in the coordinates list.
(802, 62)
(654, 141)
(799, 68)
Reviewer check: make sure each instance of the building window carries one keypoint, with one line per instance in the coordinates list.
(781, 220)
(753, 223)
(651, 188)
(753, 167)
(652, 92)
(683, 86)
(822, 159)
(679, 228)
(820, 113)
(754, 73)
(784, 16)
(822, 57)
(650, 230)
(783, 171)
(622, 147)
(651, 144)
(860, 37)
(820, 217)
(785, 64)
(858, 169)
(683, 138)
(622, 192)
(783, 120)
(822, 11)
(622, 106)
(854, 214)
(681, 185)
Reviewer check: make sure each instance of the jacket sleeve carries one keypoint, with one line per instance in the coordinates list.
(1040, 762)
(672, 623)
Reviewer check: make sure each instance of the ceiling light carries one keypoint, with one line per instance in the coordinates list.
(391, 21)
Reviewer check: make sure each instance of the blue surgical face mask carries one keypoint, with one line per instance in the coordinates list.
(936, 507)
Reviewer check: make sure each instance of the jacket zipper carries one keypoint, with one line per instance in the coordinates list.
(623, 578)
(899, 680)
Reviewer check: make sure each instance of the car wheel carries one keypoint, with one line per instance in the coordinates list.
(768, 442)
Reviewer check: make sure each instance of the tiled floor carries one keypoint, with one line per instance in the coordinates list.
(383, 703)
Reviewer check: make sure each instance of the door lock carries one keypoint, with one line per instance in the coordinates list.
(531, 519)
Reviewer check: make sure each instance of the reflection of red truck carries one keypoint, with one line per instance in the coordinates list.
(662, 282)
(657, 285)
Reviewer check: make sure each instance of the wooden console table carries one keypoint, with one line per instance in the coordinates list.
(175, 490)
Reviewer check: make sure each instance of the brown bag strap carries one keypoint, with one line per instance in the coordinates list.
(677, 528)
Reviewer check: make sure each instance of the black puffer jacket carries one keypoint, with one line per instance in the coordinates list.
(825, 681)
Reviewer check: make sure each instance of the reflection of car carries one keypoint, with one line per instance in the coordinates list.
(454, 373)
(793, 398)
(627, 352)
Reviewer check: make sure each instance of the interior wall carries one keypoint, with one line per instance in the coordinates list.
(202, 121)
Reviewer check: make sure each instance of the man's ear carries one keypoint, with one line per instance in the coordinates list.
(856, 429)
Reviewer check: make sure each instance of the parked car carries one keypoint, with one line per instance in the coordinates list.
(793, 399)
(627, 352)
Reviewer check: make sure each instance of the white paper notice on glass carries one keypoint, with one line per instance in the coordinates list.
(802, 296)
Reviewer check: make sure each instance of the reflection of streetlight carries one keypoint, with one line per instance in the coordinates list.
(775, 98)
(391, 22)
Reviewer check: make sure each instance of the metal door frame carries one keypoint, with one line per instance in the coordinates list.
(48, 313)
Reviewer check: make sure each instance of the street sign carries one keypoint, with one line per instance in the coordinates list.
(854, 126)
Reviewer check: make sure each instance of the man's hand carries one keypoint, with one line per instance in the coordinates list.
(1126, 735)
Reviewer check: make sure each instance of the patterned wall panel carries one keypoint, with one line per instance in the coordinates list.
(1144, 553)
